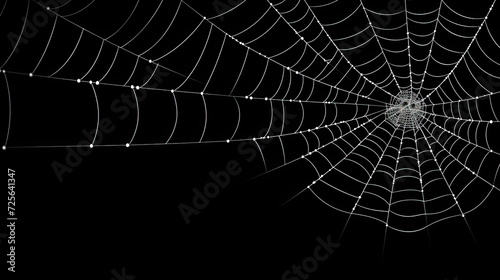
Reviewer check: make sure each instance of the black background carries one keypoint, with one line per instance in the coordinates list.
(119, 207)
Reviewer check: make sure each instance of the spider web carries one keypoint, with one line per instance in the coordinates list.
(398, 107)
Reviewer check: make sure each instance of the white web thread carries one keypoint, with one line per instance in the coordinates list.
(351, 88)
